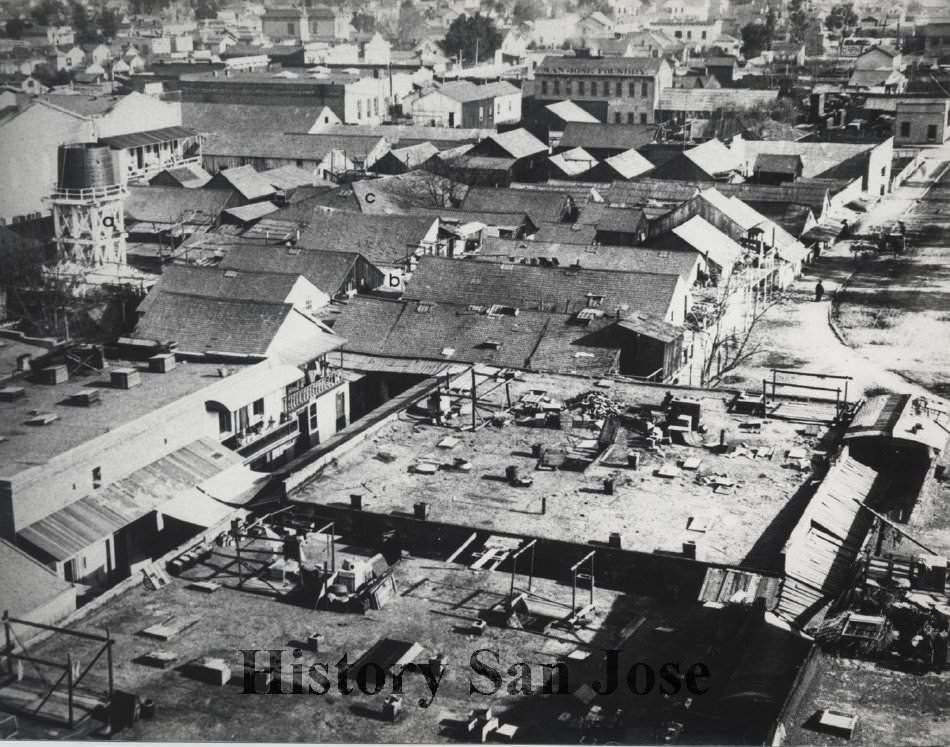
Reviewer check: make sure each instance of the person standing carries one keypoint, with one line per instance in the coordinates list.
(819, 291)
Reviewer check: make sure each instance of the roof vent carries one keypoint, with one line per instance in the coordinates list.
(85, 398)
(492, 344)
(448, 352)
(12, 393)
(52, 375)
(230, 274)
(161, 363)
(125, 378)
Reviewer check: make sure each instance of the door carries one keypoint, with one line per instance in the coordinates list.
(451, 119)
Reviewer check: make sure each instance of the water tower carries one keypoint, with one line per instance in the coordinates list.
(87, 201)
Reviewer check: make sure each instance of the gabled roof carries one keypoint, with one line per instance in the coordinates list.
(710, 242)
(539, 206)
(463, 91)
(413, 156)
(382, 239)
(266, 144)
(606, 136)
(519, 143)
(568, 111)
(289, 177)
(190, 176)
(453, 332)
(328, 270)
(200, 324)
(619, 220)
(249, 184)
(778, 164)
(573, 162)
(629, 164)
(248, 118)
(714, 158)
(595, 257)
(214, 282)
(170, 205)
(564, 290)
(651, 192)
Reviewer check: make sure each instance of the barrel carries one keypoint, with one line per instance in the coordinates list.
(87, 166)
(421, 510)
(148, 708)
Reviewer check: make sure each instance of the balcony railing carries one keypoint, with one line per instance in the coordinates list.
(258, 445)
(301, 397)
(87, 193)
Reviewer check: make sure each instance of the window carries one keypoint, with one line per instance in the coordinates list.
(593, 88)
(290, 28)
(629, 117)
(703, 35)
(312, 423)
(376, 107)
(618, 117)
(359, 109)
(340, 410)
(259, 407)
(632, 89)
(580, 88)
(557, 87)
(567, 88)
(643, 118)
(644, 89)
(544, 88)
(96, 477)
(678, 34)
(689, 34)
(931, 133)
(224, 421)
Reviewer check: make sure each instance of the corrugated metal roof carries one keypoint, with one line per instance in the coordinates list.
(149, 137)
(99, 515)
(826, 541)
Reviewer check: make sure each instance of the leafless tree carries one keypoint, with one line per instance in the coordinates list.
(732, 334)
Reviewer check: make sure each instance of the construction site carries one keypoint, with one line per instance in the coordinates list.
(535, 523)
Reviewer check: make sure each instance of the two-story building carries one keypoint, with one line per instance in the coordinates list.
(613, 89)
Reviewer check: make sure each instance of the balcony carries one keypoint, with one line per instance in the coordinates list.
(106, 192)
(251, 445)
(301, 397)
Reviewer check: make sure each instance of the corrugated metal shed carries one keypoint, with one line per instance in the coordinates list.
(826, 541)
(99, 515)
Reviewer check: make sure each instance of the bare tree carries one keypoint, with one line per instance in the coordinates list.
(732, 333)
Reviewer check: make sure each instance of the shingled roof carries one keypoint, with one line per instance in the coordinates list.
(563, 289)
(326, 269)
(169, 205)
(539, 206)
(382, 239)
(452, 332)
(619, 137)
(199, 324)
(213, 282)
